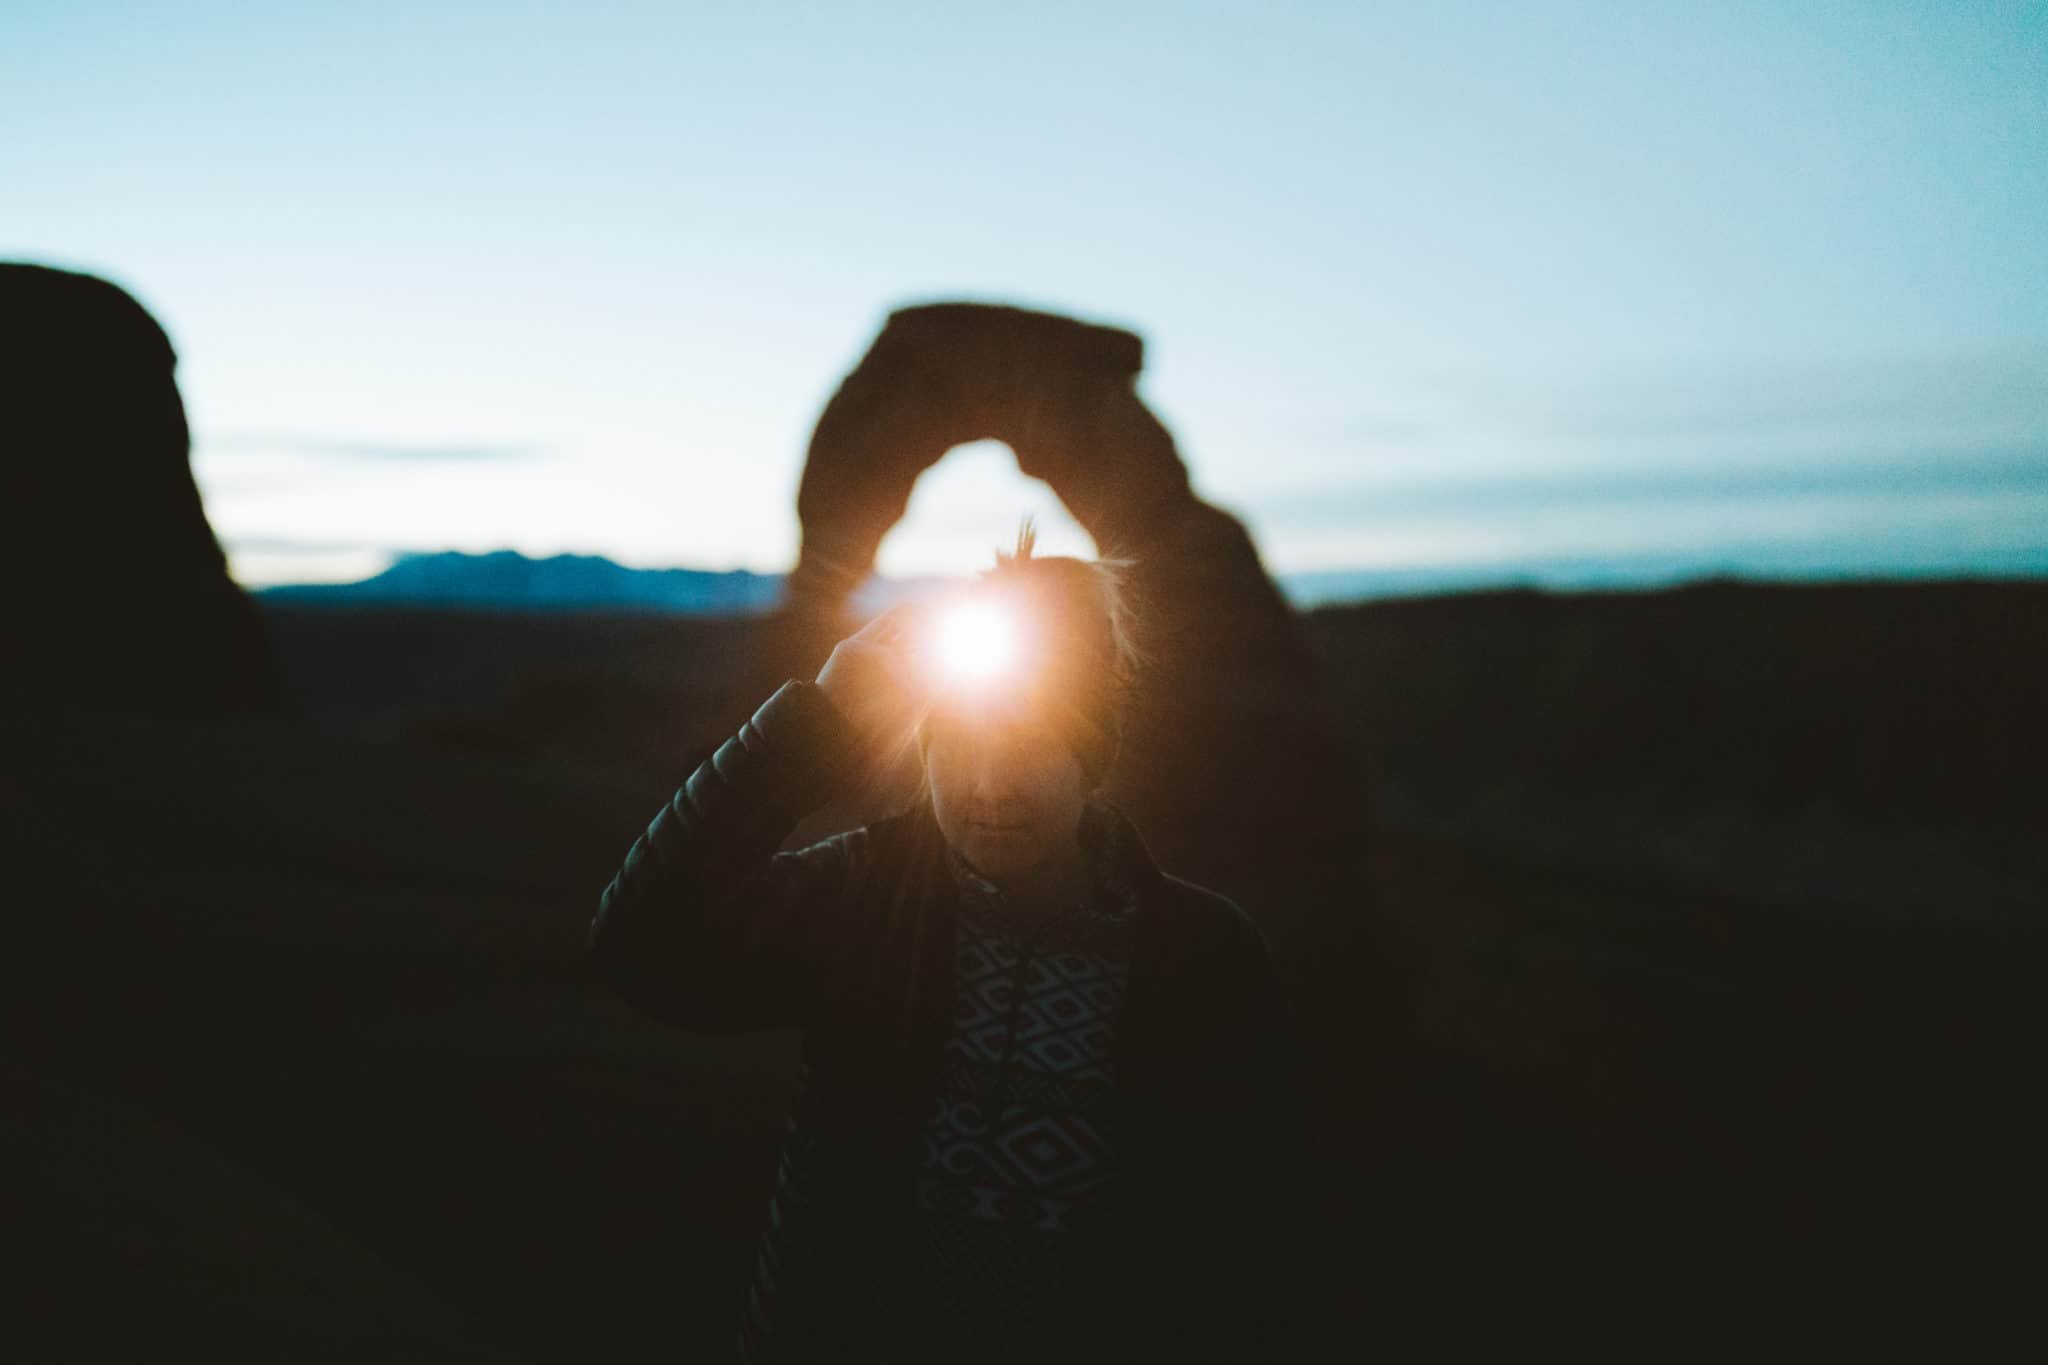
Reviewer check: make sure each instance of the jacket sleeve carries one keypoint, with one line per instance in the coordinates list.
(705, 924)
(1266, 1185)
(1280, 1214)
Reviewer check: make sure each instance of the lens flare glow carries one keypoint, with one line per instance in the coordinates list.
(976, 643)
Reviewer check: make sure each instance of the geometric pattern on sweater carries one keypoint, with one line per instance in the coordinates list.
(1020, 1152)
(1024, 1099)
(984, 1285)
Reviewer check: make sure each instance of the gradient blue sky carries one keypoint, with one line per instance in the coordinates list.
(1424, 285)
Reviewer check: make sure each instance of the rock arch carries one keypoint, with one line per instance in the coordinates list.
(1060, 393)
(1228, 737)
(116, 589)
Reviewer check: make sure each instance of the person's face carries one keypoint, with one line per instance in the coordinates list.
(1008, 795)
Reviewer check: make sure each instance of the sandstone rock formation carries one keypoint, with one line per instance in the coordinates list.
(115, 589)
(1228, 739)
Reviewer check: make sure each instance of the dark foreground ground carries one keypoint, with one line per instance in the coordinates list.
(1712, 935)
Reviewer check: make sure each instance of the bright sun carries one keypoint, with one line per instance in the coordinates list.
(977, 641)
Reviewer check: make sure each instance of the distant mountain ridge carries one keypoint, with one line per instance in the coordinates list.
(506, 580)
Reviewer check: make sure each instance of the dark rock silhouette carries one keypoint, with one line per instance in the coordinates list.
(1228, 728)
(116, 589)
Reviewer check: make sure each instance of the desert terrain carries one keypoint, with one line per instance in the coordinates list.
(1704, 927)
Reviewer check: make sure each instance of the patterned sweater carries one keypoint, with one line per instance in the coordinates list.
(1020, 1158)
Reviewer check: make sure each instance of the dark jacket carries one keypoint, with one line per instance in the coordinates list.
(851, 939)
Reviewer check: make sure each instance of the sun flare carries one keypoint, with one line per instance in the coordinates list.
(976, 643)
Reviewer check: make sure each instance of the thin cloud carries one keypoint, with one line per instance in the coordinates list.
(1962, 402)
(2000, 390)
(390, 452)
(2019, 472)
(296, 545)
(1382, 428)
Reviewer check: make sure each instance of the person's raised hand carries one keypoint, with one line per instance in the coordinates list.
(874, 678)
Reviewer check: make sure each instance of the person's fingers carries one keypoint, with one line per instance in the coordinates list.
(896, 627)
(885, 627)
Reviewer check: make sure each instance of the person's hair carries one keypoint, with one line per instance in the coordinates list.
(1080, 613)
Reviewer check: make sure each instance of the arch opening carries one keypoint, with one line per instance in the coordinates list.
(966, 507)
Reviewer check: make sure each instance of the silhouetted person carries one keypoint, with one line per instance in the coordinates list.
(1048, 1108)
(115, 589)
